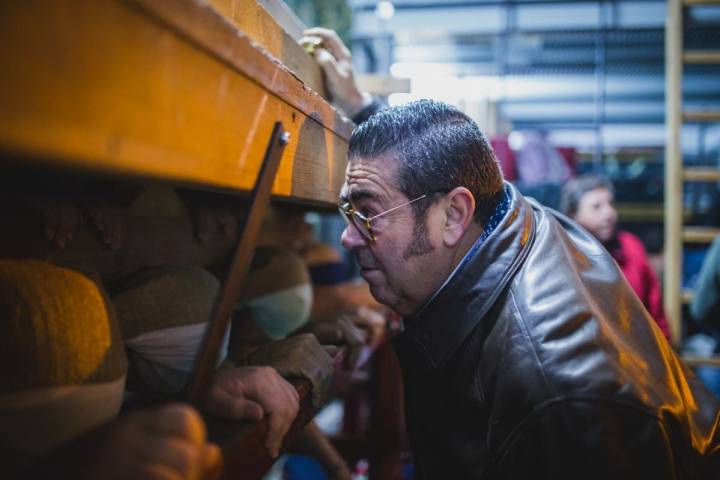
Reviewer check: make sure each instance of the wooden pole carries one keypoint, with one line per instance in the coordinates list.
(673, 168)
(220, 319)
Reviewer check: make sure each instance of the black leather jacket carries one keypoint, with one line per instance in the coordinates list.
(537, 361)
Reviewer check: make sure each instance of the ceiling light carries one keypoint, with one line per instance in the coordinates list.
(384, 10)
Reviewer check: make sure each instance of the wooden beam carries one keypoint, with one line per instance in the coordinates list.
(701, 174)
(278, 35)
(702, 57)
(693, 3)
(648, 212)
(708, 116)
(383, 85)
(673, 168)
(700, 234)
(166, 89)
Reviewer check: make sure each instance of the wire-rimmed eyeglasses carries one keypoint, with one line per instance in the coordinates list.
(363, 223)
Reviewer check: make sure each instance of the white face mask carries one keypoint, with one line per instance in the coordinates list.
(279, 314)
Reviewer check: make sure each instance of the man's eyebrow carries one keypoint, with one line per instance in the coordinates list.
(357, 195)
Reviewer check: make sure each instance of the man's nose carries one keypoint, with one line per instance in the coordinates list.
(351, 238)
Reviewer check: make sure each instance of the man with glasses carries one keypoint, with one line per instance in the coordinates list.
(524, 352)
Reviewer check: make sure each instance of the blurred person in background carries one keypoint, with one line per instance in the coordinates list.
(590, 201)
(705, 306)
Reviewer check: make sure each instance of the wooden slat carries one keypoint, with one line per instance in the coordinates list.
(708, 116)
(702, 57)
(646, 212)
(700, 234)
(166, 89)
(701, 174)
(640, 211)
(673, 168)
(702, 361)
(693, 3)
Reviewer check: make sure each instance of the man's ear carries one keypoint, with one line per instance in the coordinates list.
(459, 211)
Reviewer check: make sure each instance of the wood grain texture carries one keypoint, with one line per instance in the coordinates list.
(255, 21)
(166, 89)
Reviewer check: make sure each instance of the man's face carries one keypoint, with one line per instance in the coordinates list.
(596, 212)
(398, 264)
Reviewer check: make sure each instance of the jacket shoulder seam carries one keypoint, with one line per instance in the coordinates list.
(529, 339)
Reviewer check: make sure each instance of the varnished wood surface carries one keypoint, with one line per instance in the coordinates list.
(167, 89)
(253, 20)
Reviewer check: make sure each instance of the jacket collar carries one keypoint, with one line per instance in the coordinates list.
(442, 325)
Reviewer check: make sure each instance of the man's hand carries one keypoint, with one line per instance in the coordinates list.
(214, 214)
(336, 62)
(374, 323)
(357, 328)
(163, 443)
(209, 223)
(252, 393)
(61, 216)
(298, 356)
(341, 330)
(109, 219)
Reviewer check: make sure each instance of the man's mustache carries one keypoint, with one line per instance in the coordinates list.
(365, 260)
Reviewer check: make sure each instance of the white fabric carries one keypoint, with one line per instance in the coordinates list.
(279, 314)
(175, 347)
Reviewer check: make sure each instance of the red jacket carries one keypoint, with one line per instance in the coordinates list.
(629, 253)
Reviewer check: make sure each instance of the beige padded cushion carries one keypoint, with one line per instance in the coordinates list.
(165, 297)
(274, 269)
(55, 329)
